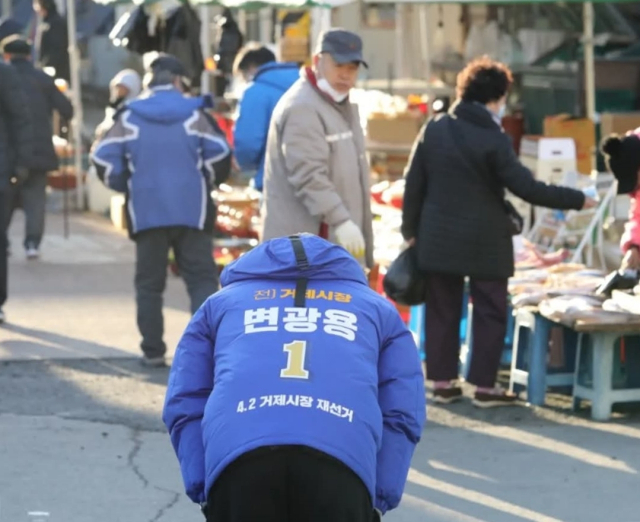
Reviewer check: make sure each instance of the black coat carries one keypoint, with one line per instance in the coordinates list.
(44, 97)
(16, 128)
(53, 45)
(454, 209)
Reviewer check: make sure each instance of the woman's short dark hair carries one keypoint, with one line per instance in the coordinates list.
(483, 80)
(252, 55)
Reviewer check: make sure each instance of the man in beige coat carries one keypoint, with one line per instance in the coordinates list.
(316, 171)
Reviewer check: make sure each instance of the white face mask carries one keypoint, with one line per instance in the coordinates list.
(326, 88)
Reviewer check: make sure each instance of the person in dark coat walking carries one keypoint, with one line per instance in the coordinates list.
(16, 150)
(229, 42)
(44, 98)
(454, 213)
(52, 39)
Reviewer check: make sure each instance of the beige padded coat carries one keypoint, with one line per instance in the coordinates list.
(316, 169)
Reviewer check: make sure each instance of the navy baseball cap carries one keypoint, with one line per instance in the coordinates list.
(169, 63)
(343, 46)
(16, 45)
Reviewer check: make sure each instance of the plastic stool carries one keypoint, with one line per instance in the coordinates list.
(602, 393)
(529, 367)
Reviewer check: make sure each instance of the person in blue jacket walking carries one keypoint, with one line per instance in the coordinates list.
(166, 154)
(296, 392)
(268, 81)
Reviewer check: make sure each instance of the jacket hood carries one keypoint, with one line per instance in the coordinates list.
(278, 75)
(275, 259)
(129, 79)
(166, 105)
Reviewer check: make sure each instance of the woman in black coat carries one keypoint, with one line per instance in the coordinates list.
(454, 213)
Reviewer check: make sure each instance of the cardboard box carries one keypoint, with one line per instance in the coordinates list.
(550, 159)
(400, 129)
(294, 49)
(583, 132)
(618, 123)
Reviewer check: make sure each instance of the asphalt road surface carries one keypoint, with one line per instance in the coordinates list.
(81, 437)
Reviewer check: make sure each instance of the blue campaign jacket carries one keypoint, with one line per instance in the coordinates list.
(340, 374)
(165, 153)
(258, 101)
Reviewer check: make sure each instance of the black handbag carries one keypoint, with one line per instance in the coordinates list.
(516, 221)
(404, 283)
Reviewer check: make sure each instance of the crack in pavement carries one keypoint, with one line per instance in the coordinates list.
(164, 509)
(137, 445)
(135, 450)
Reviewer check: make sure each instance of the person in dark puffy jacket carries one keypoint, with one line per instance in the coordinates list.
(454, 212)
(16, 151)
(296, 393)
(44, 99)
(269, 80)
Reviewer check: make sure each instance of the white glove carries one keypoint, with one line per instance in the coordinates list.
(378, 514)
(349, 235)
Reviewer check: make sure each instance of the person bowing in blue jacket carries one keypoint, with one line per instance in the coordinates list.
(268, 81)
(296, 392)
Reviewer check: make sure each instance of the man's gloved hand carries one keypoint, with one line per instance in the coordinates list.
(349, 235)
(377, 515)
(22, 173)
(203, 508)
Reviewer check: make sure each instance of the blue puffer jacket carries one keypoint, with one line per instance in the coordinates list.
(339, 373)
(165, 153)
(257, 104)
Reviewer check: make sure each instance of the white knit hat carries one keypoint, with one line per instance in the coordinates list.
(129, 79)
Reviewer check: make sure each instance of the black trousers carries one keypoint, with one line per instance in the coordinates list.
(32, 196)
(442, 327)
(194, 255)
(288, 484)
(4, 244)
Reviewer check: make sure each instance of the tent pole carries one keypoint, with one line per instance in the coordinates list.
(399, 66)
(6, 8)
(205, 44)
(425, 43)
(320, 22)
(589, 66)
(76, 94)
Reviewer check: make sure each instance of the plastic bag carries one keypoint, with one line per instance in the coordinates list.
(403, 282)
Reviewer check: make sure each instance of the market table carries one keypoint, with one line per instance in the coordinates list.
(604, 335)
(398, 148)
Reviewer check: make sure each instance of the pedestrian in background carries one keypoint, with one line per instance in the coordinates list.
(166, 154)
(51, 39)
(455, 213)
(267, 81)
(229, 40)
(622, 157)
(296, 393)
(44, 98)
(124, 87)
(317, 177)
(16, 151)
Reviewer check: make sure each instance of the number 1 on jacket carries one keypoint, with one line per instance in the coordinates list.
(296, 355)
